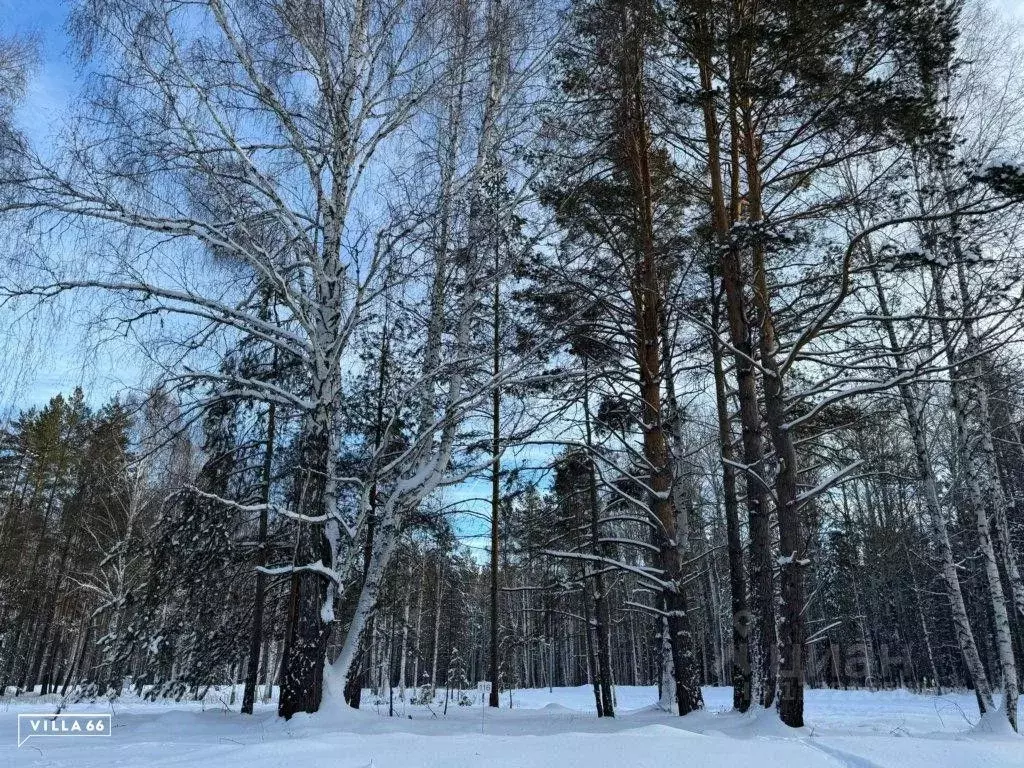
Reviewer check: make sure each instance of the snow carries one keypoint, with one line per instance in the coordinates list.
(856, 729)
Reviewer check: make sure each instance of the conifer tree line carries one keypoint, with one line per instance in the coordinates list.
(609, 343)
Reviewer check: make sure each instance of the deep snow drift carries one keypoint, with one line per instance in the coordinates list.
(857, 729)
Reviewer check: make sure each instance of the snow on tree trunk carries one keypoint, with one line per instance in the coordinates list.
(667, 683)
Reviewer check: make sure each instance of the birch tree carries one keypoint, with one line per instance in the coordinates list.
(227, 152)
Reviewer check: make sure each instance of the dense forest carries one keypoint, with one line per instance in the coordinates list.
(619, 342)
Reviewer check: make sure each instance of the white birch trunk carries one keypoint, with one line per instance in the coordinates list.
(668, 680)
(403, 653)
(940, 533)
(1004, 642)
(976, 500)
(994, 491)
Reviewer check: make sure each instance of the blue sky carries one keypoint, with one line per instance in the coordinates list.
(60, 363)
(55, 80)
(53, 365)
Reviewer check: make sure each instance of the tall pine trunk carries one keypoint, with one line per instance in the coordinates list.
(740, 624)
(725, 213)
(792, 541)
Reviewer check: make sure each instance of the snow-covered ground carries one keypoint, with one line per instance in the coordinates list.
(557, 729)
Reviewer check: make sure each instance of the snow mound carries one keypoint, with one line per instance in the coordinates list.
(553, 707)
(994, 724)
(759, 722)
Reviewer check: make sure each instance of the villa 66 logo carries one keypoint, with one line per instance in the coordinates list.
(83, 724)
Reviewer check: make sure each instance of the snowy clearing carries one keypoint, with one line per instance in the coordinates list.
(858, 729)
